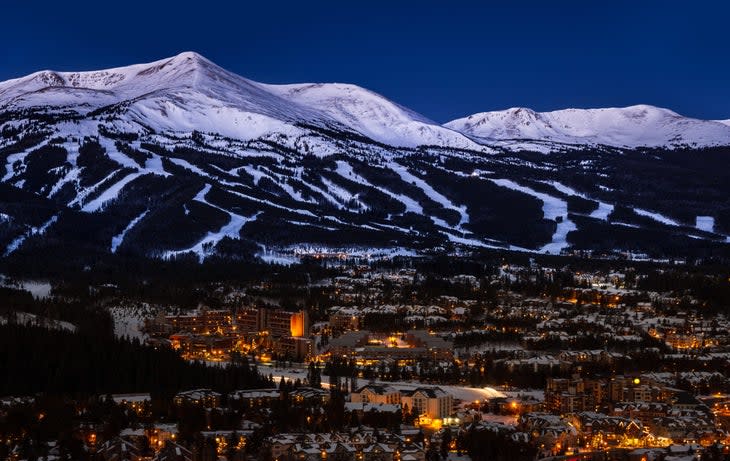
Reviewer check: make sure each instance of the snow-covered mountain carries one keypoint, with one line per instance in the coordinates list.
(181, 156)
(188, 92)
(372, 115)
(628, 127)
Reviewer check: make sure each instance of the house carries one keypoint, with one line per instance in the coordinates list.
(119, 449)
(173, 452)
(310, 394)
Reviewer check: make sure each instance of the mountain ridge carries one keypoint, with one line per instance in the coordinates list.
(181, 157)
(640, 125)
(370, 114)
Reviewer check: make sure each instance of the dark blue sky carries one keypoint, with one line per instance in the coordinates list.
(445, 59)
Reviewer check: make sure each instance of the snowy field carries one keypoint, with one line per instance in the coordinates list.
(459, 392)
(129, 320)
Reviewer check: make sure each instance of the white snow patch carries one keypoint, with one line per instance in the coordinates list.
(602, 212)
(18, 241)
(129, 320)
(207, 244)
(273, 256)
(28, 319)
(705, 223)
(38, 288)
(119, 238)
(553, 208)
(12, 159)
(109, 194)
(253, 171)
(431, 193)
(656, 217)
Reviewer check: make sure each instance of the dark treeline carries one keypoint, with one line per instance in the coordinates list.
(180, 281)
(80, 312)
(495, 445)
(41, 360)
(713, 288)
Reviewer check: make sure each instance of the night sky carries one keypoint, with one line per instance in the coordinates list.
(444, 59)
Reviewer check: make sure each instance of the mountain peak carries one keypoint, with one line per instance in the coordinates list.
(187, 59)
(640, 125)
(136, 77)
(190, 55)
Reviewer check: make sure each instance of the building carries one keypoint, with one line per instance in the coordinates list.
(296, 347)
(344, 320)
(203, 397)
(432, 402)
(563, 395)
(254, 398)
(141, 404)
(310, 395)
(299, 324)
(371, 348)
(375, 393)
(246, 320)
(359, 445)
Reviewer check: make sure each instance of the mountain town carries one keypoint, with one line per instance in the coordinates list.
(364, 231)
(399, 360)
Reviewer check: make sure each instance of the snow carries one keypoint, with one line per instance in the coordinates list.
(232, 230)
(345, 170)
(114, 154)
(603, 210)
(165, 100)
(12, 159)
(705, 223)
(18, 241)
(271, 256)
(38, 288)
(84, 192)
(552, 209)
(336, 201)
(71, 175)
(272, 204)
(129, 320)
(343, 196)
(154, 165)
(372, 115)
(633, 126)
(254, 172)
(293, 253)
(431, 193)
(464, 393)
(469, 241)
(656, 217)
(119, 238)
(28, 319)
(109, 194)
(188, 92)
